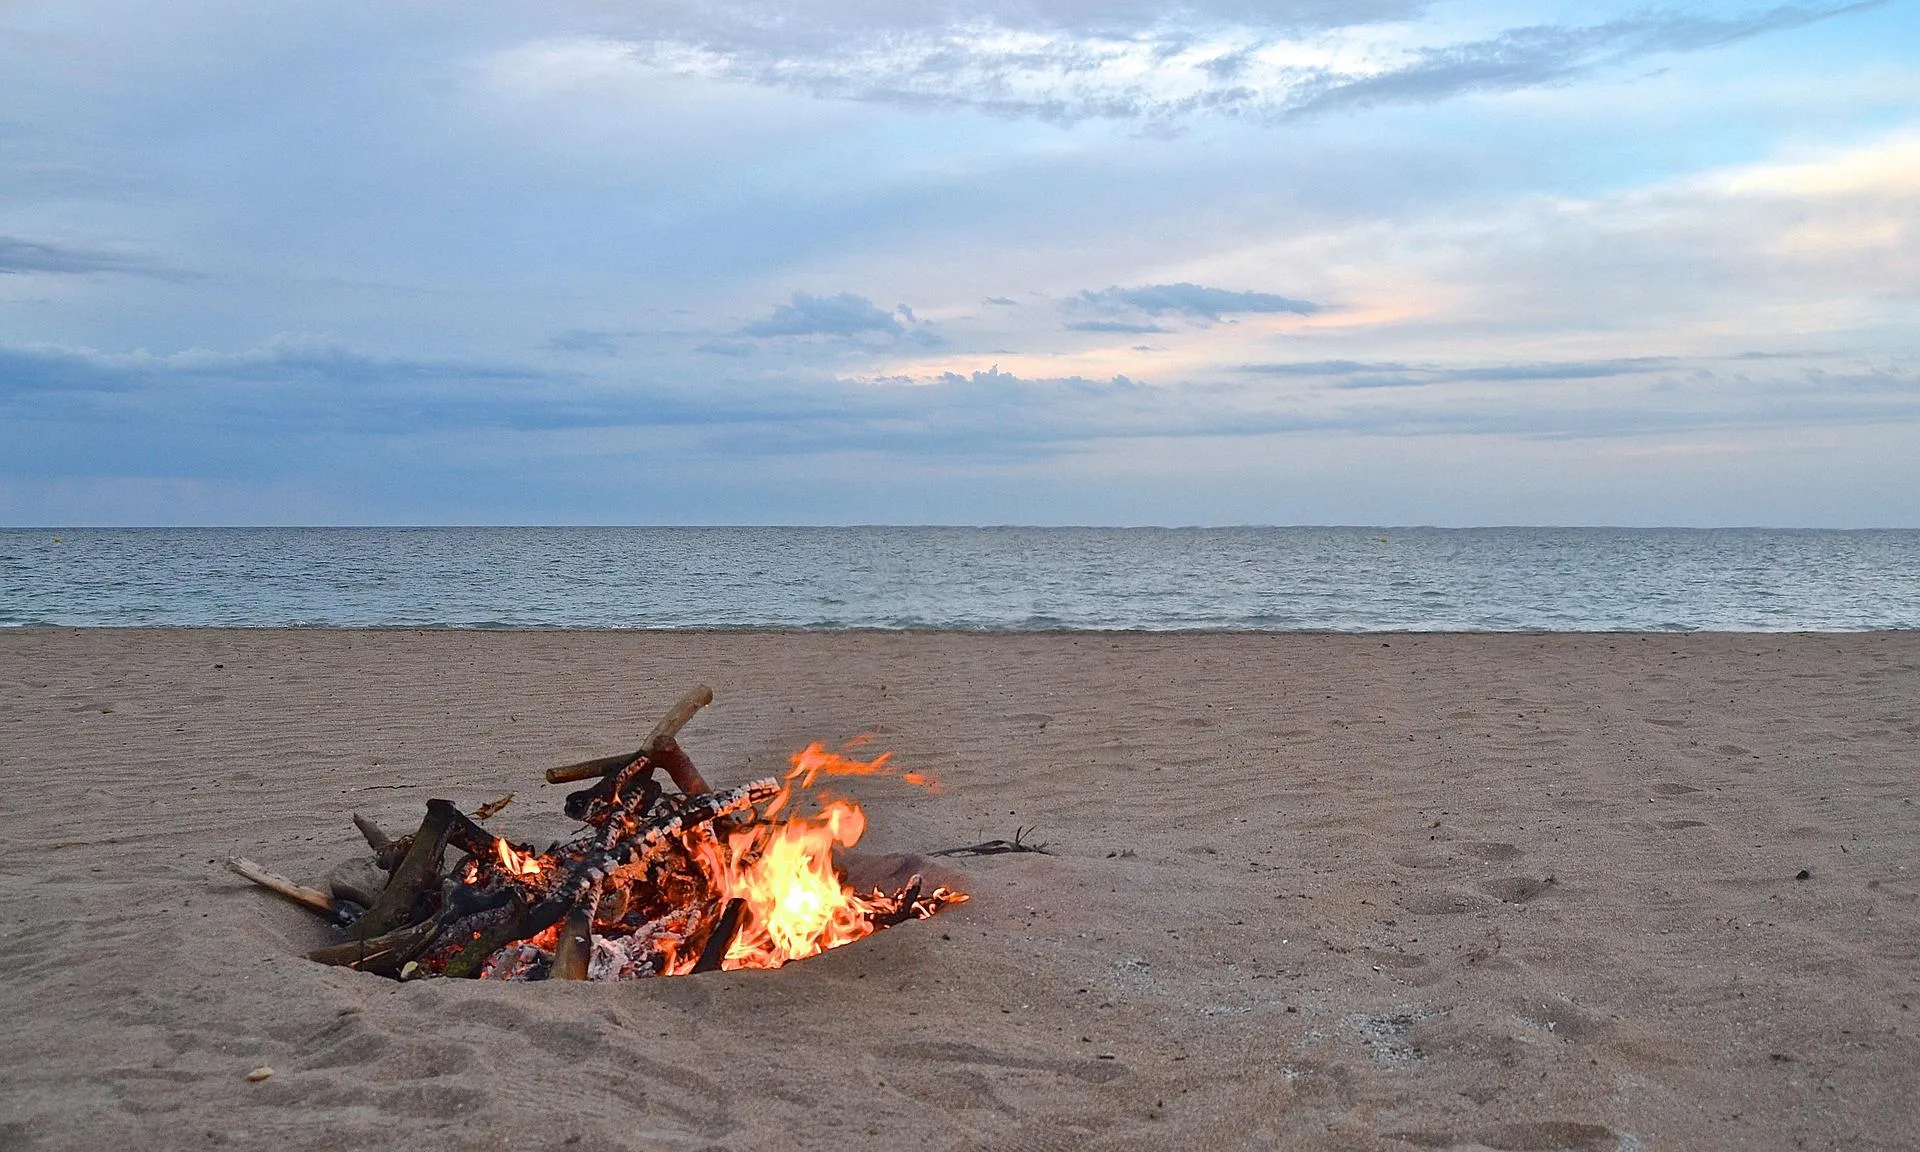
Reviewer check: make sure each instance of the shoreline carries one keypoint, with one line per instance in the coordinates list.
(1375, 890)
(932, 631)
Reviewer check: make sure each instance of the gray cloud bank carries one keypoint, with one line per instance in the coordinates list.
(20, 256)
(809, 315)
(173, 411)
(1196, 300)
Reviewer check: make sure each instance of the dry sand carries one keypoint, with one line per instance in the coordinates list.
(1515, 892)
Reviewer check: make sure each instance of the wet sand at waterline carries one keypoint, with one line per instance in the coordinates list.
(1400, 891)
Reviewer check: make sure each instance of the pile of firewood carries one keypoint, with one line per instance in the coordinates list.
(649, 886)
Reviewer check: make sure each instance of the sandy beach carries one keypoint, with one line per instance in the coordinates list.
(1369, 892)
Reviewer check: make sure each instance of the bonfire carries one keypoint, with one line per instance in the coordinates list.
(657, 882)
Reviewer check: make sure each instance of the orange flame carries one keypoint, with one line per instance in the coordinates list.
(516, 863)
(815, 761)
(797, 903)
(777, 861)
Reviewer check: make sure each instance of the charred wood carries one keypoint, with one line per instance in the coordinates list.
(387, 851)
(384, 954)
(613, 905)
(714, 952)
(904, 912)
(601, 862)
(417, 871)
(679, 766)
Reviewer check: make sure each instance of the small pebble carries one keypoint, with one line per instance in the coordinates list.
(259, 1074)
(1803, 874)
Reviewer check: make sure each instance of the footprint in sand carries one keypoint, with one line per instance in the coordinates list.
(1537, 1136)
(1490, 850)
(938, 1052)
(687, 1098)
(1439, 902)
(1516, 889)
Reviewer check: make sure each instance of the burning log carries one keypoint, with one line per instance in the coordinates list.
(656, 883)
(610, 853)
(679, 766)
(714, 952)
(611, 909)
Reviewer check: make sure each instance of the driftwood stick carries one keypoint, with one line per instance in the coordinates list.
(588, 769)
(311, 899)
(384, 955)
(714, 952)
(346, 889)
(698, 697)
(663, 732)
(416, 872)
(387, 852)
(377, 838)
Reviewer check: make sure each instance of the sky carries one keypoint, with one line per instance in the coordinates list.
(917, 261)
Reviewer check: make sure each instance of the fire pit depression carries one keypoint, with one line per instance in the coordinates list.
(656, 883)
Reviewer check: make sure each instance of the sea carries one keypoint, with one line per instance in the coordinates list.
(1337, 579)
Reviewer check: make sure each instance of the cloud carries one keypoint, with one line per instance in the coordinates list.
(586, 340)
(335, 415)
(20, 256)
(1358, 374)
(1111, 326)
(1001, 302)
(1195, 300)
(845, 315)
(287, 384)
(1319, 368)
(37, 370)
(1544, 54)
(1134, 61)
